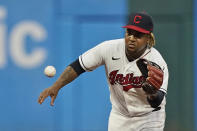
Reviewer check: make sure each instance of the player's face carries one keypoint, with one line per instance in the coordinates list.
(135, 42)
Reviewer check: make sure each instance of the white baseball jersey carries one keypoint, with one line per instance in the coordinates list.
(124, 77)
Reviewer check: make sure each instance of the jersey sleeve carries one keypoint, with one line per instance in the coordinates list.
(93, 58)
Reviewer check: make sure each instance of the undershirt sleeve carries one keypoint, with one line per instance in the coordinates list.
(77, 67)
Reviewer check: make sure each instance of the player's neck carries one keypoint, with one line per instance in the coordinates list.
(131, 56)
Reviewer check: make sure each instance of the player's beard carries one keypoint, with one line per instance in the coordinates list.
(133, 53)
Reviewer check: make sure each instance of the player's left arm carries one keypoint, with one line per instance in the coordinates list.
(158, 81)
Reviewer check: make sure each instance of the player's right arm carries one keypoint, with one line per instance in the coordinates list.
(69, 74)
(88, 61)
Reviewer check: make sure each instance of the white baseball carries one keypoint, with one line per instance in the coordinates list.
(50, 71)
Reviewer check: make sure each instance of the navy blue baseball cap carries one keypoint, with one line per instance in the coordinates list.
(141, 22)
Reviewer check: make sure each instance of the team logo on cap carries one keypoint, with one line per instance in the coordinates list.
(137, 19)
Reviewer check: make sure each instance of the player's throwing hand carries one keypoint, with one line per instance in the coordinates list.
(51, 91)
(66, 77)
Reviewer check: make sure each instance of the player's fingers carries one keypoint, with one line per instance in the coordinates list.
(53, 97)
(42, 97)
(40, 100)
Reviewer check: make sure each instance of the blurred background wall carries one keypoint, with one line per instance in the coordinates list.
(175, 40)
(34, 34)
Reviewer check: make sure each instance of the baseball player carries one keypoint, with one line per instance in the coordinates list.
(137, 77)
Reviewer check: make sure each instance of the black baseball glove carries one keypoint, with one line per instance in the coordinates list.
(153, 75)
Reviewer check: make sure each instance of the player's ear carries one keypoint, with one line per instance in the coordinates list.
(148, 40)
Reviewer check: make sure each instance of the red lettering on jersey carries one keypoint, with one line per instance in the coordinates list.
(137, 19)
(128, 82)
(126, 79)
(112, 77)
